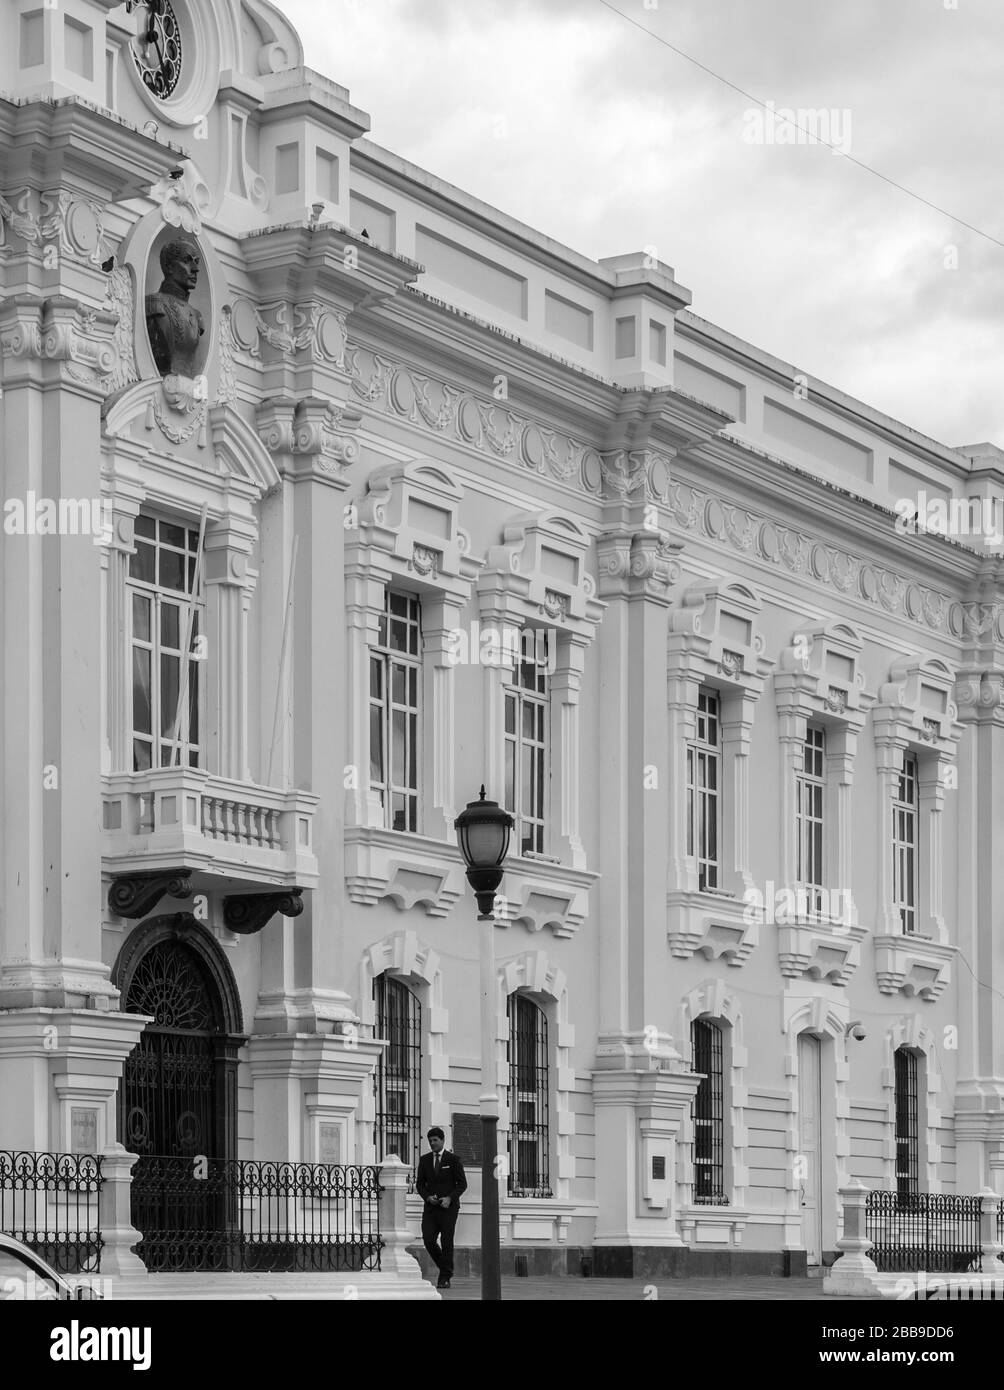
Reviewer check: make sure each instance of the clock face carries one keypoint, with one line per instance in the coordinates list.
(157, 46)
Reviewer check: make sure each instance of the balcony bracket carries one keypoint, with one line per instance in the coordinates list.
(134, 895)
(248, 912)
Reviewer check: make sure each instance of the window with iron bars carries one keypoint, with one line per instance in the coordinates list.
(395, 680)
(703, 783)
(526, 752)
(810, 788)
(709, 1115)
(164, 614)
(907, 1123)
(398, 1080)
(904, 844)
(529, 1089)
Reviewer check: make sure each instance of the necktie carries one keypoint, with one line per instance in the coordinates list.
(437, 1165)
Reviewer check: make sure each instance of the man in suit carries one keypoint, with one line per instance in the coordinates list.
(440, 1183)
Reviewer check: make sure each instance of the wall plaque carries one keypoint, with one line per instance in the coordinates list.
(466, 1130)
(83, 1130)
(329, 1143)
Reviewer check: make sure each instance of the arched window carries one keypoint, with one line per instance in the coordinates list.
(398, 1080)
(907, 1070)
(529, 1088)
(709, 1114)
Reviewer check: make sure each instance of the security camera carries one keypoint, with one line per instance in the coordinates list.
(856, 1030)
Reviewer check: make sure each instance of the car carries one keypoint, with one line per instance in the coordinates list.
(25, 1275)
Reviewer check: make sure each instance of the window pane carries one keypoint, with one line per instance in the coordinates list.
(141, 709)
(172, 573)
(143, 565)
(397, 747)
(193, 702)
(399, 605)
(145, 526)
(397, 682)
(413, 686)
(170, 626)
(169, 674)
(510, 714)
(172, 535)
(412, 750)
(376, 678)
(141, 617)
(142, 755)
(376, 746)
(398, 636)
(529, 711)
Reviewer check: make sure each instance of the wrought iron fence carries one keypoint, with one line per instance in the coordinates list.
(49, 1201)
(255, 1216)
(933, 1231)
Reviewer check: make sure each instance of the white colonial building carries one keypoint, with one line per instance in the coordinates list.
(441, 502)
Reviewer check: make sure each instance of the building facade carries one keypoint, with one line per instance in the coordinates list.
(431, 501)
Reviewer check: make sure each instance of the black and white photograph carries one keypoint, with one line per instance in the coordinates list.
(502, 688)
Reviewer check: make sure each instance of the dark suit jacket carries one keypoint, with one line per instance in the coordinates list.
(451, 1181)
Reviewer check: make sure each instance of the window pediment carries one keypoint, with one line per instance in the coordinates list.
(539, 573)
(409, 518)
(916, 707)
(714, 631)
(819, 676)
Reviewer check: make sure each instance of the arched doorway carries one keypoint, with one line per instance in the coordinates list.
(178, 1096)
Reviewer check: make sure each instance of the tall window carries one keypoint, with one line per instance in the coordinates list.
(703, 783)
(907, 1124)
(395, 677)
(810, 786)
(904, 844)
(165, 617)
(398, 1080)
(529, 1137)
(709, 1115)
(526, 762)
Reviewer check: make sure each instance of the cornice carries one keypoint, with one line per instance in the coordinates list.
(70, 143)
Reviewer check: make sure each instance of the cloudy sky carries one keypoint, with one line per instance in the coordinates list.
(568, 116)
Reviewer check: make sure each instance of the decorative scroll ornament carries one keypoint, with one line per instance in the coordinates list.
(424, 560)
(22, 223)
(119, 301)
(134, 895)
(184, 200)
(250, 912)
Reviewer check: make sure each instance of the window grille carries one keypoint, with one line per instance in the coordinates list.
(904, 844)
(398, 1080)
(907, 1124)
(810, 785)
(703, 784)
(526, 752)
(529, 1089)
(395, 679)
(709, 1115)
(161, 606)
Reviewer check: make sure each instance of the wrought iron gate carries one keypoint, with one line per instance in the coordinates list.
(171, 1100)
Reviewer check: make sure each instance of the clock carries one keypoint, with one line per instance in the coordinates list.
(156, 49)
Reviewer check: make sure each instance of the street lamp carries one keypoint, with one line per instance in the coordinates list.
(483, 830)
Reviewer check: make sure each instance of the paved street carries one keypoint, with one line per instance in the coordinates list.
(628, 1290)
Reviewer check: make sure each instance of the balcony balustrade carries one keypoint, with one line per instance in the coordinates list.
(226, 833)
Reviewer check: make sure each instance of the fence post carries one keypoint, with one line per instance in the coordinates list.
(990, 1245)
(114, 1215)
(853, 1272)
(392, 1175)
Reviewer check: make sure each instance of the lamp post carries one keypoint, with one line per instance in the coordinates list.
(483, 830)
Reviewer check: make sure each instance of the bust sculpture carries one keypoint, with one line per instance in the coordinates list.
(173, 324)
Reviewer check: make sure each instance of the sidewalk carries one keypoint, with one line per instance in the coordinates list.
(638, 1290)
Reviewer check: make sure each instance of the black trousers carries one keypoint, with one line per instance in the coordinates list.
(440, 1222)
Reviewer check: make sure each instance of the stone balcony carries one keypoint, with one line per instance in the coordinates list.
(227, 834)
